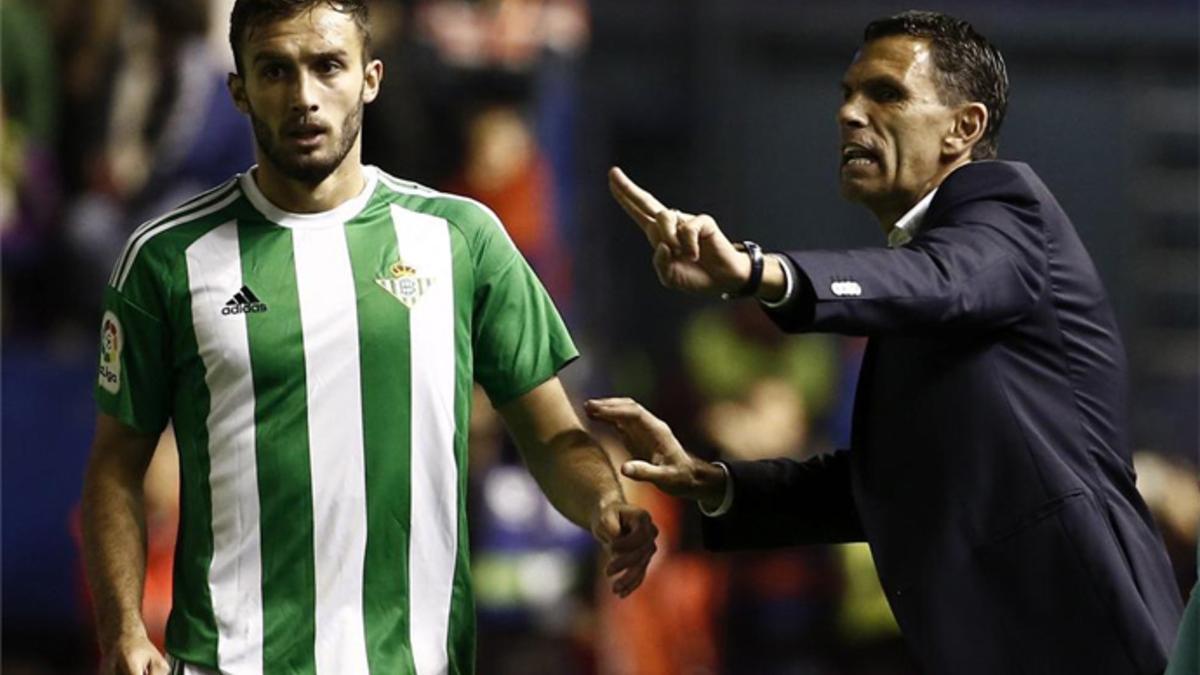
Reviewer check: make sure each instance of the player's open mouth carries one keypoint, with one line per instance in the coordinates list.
(307, 135)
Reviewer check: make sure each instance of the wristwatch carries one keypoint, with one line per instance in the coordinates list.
(756, 271)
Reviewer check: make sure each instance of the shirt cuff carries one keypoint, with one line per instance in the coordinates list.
(789, 282)
(727, 502)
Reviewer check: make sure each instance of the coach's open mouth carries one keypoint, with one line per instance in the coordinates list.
(854, 154)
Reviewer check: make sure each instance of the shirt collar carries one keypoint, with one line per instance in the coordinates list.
(910, 223)
(335, 216)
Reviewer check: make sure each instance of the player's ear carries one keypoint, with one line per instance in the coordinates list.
(237, 90)
(372, 77)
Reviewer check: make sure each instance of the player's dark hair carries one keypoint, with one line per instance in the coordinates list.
(969, 68)
(250, 14)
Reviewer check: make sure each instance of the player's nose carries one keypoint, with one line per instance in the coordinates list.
(304, 94)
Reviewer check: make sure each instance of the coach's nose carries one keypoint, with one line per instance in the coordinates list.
(852, 113)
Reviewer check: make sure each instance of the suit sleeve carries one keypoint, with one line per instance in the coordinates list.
(782, 502)
(969, 274)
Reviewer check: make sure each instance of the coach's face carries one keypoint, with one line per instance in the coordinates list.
(303, 83)
(893, 126)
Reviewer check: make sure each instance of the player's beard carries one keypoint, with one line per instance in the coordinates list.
(307, 169)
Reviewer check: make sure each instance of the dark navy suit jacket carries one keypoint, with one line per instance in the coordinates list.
(989, 467)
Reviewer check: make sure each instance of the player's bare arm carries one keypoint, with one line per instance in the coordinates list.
(580, 482)
(114, 539)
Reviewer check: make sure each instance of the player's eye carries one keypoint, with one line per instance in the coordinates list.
(328, 66)
(272, 71)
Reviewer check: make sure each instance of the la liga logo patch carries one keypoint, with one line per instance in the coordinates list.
(112, 340)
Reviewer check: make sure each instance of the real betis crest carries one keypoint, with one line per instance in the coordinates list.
(404, 284)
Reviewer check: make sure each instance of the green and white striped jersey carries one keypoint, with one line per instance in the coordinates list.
(317, 369)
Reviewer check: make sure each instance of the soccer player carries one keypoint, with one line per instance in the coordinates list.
(312, 329)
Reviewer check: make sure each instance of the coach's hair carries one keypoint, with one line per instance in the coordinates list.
(969, 68)
(250, 14)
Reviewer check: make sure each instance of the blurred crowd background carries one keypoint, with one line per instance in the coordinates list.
(115, 110)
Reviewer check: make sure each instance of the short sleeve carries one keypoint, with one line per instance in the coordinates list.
(134, 367)
(520, 340)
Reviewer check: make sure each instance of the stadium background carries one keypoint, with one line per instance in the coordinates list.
(114, 110)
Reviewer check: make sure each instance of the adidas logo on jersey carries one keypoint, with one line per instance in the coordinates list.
(243, 302)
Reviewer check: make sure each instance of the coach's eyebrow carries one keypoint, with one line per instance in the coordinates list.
(873, 81)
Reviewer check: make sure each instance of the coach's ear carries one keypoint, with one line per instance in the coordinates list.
(967, 128)
(237, 90)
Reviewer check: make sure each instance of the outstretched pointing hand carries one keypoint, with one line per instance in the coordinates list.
(659, 458)
(690, 252)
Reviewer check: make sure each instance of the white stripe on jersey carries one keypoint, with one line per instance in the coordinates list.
(125, 259)
(328, 301)
(231, 194)
(424, 243)
(235, 574)
(181, 668)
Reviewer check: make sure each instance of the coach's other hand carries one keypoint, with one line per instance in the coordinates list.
(690, 251)
(659, 458)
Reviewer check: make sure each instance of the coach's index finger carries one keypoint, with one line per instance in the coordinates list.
(641, 206)
(643, 200)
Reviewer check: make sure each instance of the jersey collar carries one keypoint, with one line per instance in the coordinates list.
(335, 216)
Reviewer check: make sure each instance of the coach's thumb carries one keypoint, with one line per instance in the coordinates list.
(646, 472)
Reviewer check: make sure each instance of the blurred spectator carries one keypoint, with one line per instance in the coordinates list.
(28, 70)
(1169, 488)
(29, 184)
(29, 193)
(509, 34)
(505, 169)
(172, 131)
(479, 105)
(805, 363)
(88, 45)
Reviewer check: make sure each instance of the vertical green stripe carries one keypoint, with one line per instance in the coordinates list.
(461, 638)
(384, 351)
(192, 628)
(281, 439)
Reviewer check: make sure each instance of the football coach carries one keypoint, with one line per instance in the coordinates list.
(989, 467)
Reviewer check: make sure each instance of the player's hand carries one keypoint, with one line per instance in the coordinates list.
(627, 534)
(134, 655)
(659, 458)
(690, 251)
